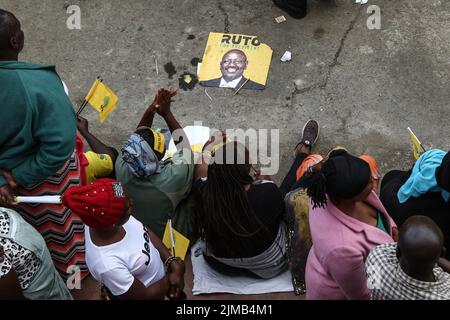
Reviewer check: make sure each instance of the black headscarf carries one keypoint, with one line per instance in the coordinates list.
(443, 173)
(343, 176)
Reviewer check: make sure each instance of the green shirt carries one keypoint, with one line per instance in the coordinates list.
(161, 194)
(38, 123)
(380, 223)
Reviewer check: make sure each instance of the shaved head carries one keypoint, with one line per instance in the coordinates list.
(420, 245)
(233, 64)
(11, 35)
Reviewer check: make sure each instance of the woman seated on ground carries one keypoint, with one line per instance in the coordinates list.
(423, 190)
(26, 267)
(121, 253)
(240, 219)
(346, 220)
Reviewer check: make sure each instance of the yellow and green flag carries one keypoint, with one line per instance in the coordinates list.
(102, 99)
(180, 243)
(418, 149)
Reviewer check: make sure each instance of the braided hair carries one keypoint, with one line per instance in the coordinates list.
(342, 176)
(317, 189)
(227, 214)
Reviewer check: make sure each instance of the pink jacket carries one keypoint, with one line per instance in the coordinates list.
(341, 244)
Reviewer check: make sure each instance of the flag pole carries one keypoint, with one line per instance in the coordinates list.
(420, 143)
(80, 109)
(171, 236)
(85, 102)
(236, 92)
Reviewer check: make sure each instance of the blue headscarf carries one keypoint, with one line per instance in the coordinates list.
(423, 177)
(443, 173)
(140, 157)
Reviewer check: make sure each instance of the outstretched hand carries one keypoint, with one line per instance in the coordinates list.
(163, 100)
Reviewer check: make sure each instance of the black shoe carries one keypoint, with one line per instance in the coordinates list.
(296, 11)
(310, 133)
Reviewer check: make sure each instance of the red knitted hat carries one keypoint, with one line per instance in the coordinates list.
(99, 204)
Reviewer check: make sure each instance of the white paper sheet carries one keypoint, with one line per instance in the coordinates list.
(207, 280)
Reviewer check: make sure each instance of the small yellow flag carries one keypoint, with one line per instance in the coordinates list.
(181, 243)
(102, 99)
(417, 146)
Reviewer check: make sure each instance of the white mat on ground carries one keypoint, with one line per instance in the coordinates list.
(207, 280)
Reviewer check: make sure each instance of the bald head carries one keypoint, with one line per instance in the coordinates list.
(11, 36)
(233, 64)
(420, 244)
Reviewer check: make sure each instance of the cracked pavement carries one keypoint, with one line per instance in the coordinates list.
(363, 86)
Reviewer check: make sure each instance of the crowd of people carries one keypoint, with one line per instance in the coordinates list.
(325, 222)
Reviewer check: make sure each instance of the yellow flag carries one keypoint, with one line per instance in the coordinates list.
(102, 99)
(417, 146)
(181, 242)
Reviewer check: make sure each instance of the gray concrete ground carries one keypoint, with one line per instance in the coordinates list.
(364, 86)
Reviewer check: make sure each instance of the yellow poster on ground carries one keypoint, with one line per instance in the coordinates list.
(181, 243)
(102, 99)
(235, 61)
(417, 146)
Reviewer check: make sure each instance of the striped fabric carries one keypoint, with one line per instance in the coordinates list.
(62, 229)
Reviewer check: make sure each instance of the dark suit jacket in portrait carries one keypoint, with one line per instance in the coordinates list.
(249, 85)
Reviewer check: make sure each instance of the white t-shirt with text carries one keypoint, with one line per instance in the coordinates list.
(116, 265)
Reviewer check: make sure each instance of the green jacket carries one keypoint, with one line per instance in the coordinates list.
(161, 194)
(37, 122)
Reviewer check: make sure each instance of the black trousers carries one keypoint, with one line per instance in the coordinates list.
(290, 181)
(430, 204)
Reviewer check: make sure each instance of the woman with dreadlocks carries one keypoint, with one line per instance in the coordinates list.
(240, 218)
(347, 220)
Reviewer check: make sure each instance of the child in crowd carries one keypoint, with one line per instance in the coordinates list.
(121, 253)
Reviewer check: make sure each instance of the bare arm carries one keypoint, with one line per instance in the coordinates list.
(201, 169)
(176, 269)
(164, 101)
(149, 114)
(96, 145)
